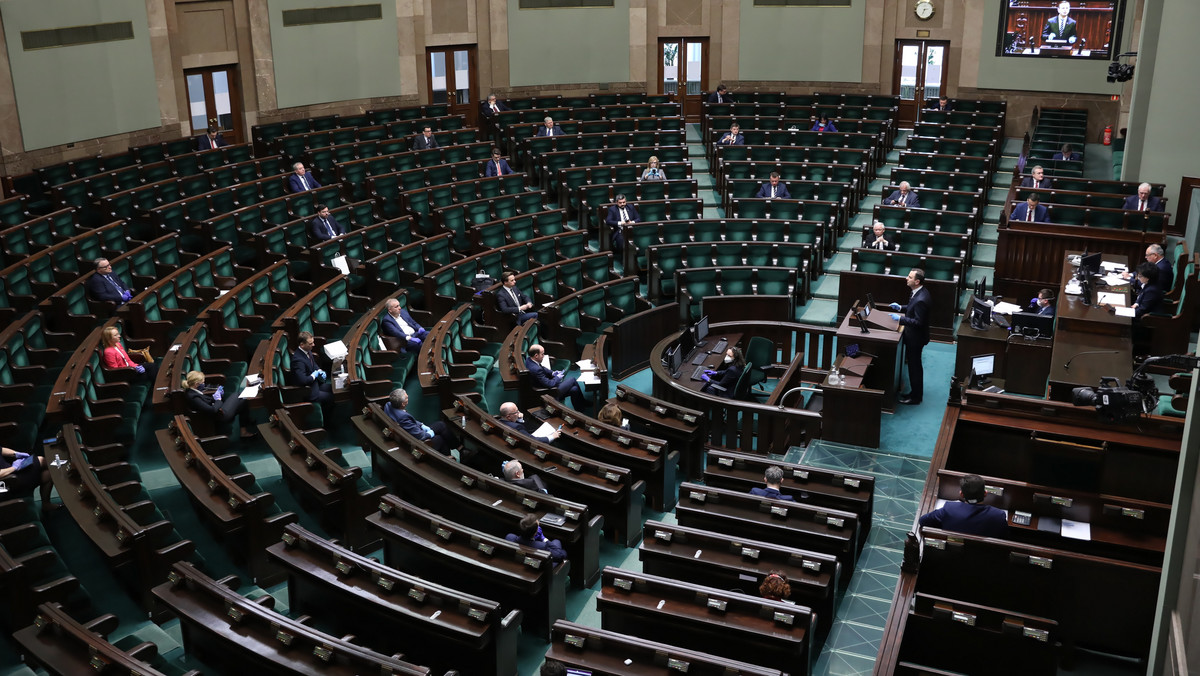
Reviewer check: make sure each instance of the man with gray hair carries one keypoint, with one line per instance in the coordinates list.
(1166, 274)
(104, 285)
(439, 436)
(548, 128)
(514, 473)
(511, 417)
(1143, 200)
(878, 238)
(904, 197)
(301, 180)
(773, 477)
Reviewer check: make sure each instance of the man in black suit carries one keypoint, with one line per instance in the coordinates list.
(775, 189)
(514, 473)
(1143, 200)
(325, 226)
(306, 372)
(563, 386)
(211, 140)
(1061, 27)
(511, 417)
(720, 96)
(548, 128)
(512, 301)
(1067, 153)
(399, 326)
(425, 140)
(878, 238)
(492, 106)
(301, 180)
(904, 197)
(1044, 303)
(104, 285)
(943, 104)
(1164, 276)
(733, 137)
(915, 321)
(1036, 178)
(620, 215)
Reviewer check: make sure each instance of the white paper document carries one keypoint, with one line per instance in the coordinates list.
(585, 365)
(544, 431)
(1126, 312)
(1115, 280)
(249, 393)
(589, 378)
(1117, 299)
(340, 263)
(1006, 308)
(1076, 530)
(1109, 266)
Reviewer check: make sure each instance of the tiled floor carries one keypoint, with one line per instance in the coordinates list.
(862, 611)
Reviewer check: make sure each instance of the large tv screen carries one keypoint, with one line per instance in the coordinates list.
(1074, 29)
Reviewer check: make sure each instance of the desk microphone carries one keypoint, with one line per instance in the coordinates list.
(1067, 366)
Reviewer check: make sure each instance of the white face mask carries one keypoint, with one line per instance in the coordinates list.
(728, 359)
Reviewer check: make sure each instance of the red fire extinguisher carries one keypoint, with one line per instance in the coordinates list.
(1108, 135)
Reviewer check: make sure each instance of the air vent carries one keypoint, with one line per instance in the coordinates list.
(77, 35)
(319, 15)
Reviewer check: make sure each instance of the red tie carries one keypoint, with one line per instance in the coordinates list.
(1143, 206)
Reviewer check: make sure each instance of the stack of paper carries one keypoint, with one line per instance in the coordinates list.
(1117, 299)
(1006, 308)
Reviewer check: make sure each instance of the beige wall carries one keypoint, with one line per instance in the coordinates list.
(240, 32)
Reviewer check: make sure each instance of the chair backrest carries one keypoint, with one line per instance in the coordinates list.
(760, 353)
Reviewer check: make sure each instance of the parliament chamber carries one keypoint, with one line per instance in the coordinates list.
(287, 212)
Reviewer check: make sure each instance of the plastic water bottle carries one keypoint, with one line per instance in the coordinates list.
(835, 376)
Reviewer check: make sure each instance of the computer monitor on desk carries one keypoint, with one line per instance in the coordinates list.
(674, 359)
(982, 367)
(701, 331)
(1089, 264)
(1032, 325)
(981, 314)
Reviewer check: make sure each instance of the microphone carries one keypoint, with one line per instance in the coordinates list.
(1067, 366)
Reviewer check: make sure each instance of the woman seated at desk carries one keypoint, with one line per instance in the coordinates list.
(724, 379)
(1150, 296)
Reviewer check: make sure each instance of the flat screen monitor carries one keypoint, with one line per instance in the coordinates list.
(983, 365)
(1082, 29)
(1090, 263)
(981, 313)
(687, 341)
(1033, 325)
(701, 329)
(674, 359)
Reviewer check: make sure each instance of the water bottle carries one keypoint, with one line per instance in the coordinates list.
(835, 376)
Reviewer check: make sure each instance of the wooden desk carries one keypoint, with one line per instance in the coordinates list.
(1029, 357)
(851, 412)
(1094, 341)
(883, 342)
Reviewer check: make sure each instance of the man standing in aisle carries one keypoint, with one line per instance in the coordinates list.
(915, 321)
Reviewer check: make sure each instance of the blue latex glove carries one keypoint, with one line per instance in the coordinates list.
(126, 296)
(319, 374)
(894, 306)
(218, 395)
(428, 432)
(706, 376)
(895, 317)
(22, 462)
(139, 368)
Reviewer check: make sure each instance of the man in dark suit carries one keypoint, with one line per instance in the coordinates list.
(720, 96)
(773, 477)
(325, 226)
(733, 137)
(512, 301)
(620, 215)
(1068, 153)
(1164, 275)
(211, 140)
(1044, 303)
(306, 372)
(968, 514)
(399, 324)
(915, 321)
(425, 140)
(510, 416)
(514, 473)
(497, 166)
(563, 386)
(104, 285)
(548, 128)
(1143, 200)
(774, 189)
(878, 238)
(1061, 27)
(904, 197)
(943, 104)
(439, 435)
(1036, 178)
(301, 180)
(492, 106)
(1030, 210)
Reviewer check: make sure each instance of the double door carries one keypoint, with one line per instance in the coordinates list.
(919, 74)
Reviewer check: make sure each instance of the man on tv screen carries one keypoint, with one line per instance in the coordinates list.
(1060, 28)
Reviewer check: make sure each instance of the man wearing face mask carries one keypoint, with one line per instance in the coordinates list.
(512, 417)
(723, 380)
(538, 363)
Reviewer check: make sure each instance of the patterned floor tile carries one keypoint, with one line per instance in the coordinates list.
(843, 664)
(864, 610)
(899, 488)
(876, 584)
(854, 639)
(885, 535)
(880, 559)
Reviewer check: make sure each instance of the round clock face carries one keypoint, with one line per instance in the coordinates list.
(924, 9)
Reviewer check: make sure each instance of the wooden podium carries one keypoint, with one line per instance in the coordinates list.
(882, 342)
